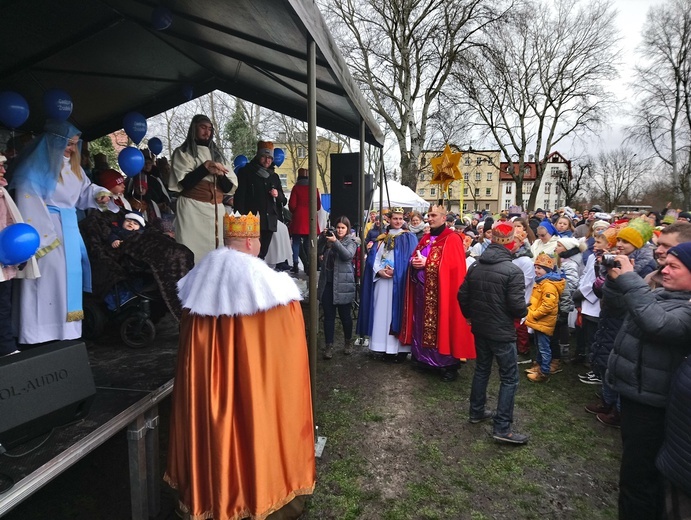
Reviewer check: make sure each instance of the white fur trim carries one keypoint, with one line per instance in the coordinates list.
(230, 283)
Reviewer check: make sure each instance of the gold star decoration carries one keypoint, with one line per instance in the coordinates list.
(446, 168)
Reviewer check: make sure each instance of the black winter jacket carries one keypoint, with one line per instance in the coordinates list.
(493, 295)
(652, 342)
(674, 459)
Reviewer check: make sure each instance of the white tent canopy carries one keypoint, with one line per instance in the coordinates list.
(399, 195)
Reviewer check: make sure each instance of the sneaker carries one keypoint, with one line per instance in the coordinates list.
(587, 375)
(590, 379)
(510, 437)
(597, 407)
(538, 377)
(612, 419)
(524, 358)
(555, 366)
(487, 414)
(533, 369)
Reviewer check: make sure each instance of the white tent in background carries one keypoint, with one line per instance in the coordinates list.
(399, 195)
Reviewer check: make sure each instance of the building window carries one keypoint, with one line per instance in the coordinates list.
(487, 206)
(466, 177)
(302, 152)
(478, 176)
(465, 207)
(508, 188)
(507, 203)
(527, 188)
(284, 180)
(433, 191)
(489, 176)
(557, 191)
(479, 161)
(467, 161)
(546, 205)
(465, 191)
(477, 192)
(423, 161)
(422, 176)
(554, 171)
(548, 187)
(488, 192)
(421, 192)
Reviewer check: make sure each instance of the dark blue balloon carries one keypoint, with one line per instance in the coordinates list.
(279, 156)
(240, 161)
(188, 92)
(161, 18)
(57, 103)
(135, 126)
(14, 110)
(155, 145)
(18, 243)
(131, 160)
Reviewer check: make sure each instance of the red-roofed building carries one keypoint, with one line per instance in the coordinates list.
(550, 196)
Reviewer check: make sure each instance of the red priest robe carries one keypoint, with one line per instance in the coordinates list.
(241, 428)
(445, 329)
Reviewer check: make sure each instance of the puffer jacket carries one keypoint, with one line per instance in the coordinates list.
(544, 303)
(344, 273)
(674, 459)
(492, 295)
(652, 342)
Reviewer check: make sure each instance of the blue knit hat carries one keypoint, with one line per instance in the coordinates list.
(683, 253)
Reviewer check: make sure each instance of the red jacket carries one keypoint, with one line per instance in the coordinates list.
(299, 206)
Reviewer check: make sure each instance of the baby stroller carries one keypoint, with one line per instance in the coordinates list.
(133, 285)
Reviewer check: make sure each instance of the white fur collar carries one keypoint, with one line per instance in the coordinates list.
(230, 283)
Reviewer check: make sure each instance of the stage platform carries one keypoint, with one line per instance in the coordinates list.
(130, 384)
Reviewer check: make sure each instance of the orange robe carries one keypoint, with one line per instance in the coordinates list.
(242, 432)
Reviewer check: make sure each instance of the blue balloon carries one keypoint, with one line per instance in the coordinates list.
(135, 126)
(131, 161)
(240, 161)
(155, 145)
(279, 156)
(18, 243)
(57, 103)
(161, 18)
(14, 110)
(188, 92)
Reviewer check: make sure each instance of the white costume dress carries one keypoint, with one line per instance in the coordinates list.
(197, 225)
(43, 302)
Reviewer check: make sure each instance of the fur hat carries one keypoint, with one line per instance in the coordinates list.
(502, 233)
(265, 148)
(637, 233)
(136, 216)
(683, 253)
(110, 178)
(545, 261)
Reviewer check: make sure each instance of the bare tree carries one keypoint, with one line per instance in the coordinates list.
(402, 53)
(663, 85)
(575, 186)
(540, 79)
(618, 177)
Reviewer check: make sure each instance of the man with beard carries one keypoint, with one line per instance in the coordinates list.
(259, 191)
(201, 177)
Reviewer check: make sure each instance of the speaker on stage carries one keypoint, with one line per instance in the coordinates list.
(42, 388)
(345, 188)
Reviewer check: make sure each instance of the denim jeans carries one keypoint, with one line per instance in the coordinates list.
(301, 242)
(330, 308)
(544, 352)
(505, 352)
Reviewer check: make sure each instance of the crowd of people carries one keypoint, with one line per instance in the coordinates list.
(514, 287)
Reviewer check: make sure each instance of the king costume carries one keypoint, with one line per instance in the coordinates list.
(381, 305)
(432, 321)
(242, 433)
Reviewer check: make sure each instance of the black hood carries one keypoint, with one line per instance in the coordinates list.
(494, 254)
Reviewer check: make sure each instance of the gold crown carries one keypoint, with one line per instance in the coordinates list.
(437, 209)
(397, 209)
(241, 226)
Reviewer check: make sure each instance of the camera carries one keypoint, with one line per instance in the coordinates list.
(329, 232)
(609, 261)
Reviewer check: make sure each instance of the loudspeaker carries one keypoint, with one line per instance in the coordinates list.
(345, 188)
(42, 388)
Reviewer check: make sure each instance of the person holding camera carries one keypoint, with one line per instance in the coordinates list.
(336, 287)
(651, 345)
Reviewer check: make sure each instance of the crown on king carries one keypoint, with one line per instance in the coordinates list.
(241, 226)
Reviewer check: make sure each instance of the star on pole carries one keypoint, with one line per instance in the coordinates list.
(446, 168)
